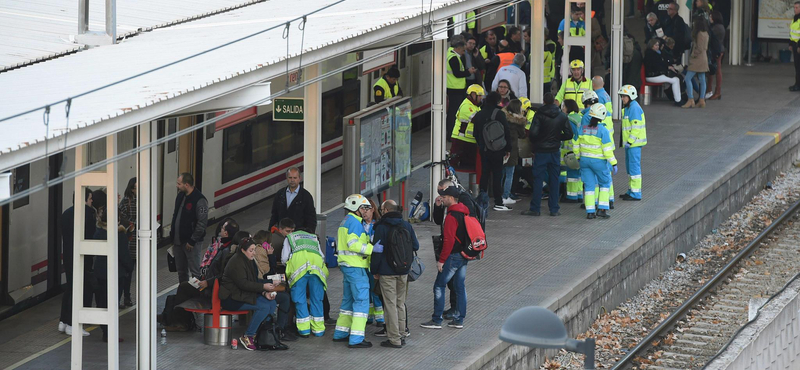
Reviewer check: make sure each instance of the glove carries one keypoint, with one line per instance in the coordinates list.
(377, 248)
(627, 145)
(615, 170)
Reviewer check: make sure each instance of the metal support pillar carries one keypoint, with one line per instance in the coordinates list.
(735, 46)
(94, 38)
(312, 134)
(87, 315)
(438, 112)
(585, 41)
(617, 21)
(537, 43)
(147, 245)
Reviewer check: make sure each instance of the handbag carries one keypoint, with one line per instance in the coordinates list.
(417, 268)
(171, 260)
(267, 338)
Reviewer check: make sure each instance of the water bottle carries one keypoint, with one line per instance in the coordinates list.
(163, 337)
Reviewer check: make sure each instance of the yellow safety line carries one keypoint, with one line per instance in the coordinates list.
(776, 135)
(69, 339)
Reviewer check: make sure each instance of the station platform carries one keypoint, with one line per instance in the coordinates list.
(698, 166)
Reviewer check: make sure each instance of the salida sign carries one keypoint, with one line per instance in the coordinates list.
(288, 109)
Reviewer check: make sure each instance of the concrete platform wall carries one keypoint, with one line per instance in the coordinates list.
(746, 168)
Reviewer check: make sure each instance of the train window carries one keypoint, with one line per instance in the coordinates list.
(402, 63)
(336, 104)
(95, 151)
(160, 130)
(210, 129)
(173, 127)
(22, 181)
(235, 156)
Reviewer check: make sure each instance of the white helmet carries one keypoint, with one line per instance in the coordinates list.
(598, 111)
(628, 90)
(589, 96)
(353, 202)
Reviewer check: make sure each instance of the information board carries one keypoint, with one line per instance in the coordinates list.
(775, 18)
(402, 141)
(376, 151)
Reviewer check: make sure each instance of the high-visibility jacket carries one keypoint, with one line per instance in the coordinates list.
(575, 28)
(470, 17)
(795, 31)
(484, 50)
(506, 59)
(454, 82)
(569, 145)
(605, 99)
(549, 62)
(466, 111)
(305, 258)
(352, 243)
(594, 142)
(574, 90)
(529, 116)
(633, 125)
(388, 91)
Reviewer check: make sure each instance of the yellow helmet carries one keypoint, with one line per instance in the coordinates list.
(526, 103)
(576, 64)
(628, 90)
(598, 111)
(353, 202)
(477, 89)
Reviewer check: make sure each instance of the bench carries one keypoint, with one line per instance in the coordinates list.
(217, 322)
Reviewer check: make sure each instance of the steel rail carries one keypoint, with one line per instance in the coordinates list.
(670, 321)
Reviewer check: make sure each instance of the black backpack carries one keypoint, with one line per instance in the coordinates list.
(399, 249)
(267, 338)
(714, 45)
(494, 134)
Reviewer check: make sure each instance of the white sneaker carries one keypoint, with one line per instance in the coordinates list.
(509, 201)
(502, 208)
(62, 326)
(68, 331)
(709, 94)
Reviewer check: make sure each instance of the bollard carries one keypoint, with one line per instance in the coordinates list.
(647, 96)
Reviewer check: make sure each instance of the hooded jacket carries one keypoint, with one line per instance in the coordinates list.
(516, 126)
(549, 128)
(378, 265)
(455, 231)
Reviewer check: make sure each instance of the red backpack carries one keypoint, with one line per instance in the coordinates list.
(477, 239)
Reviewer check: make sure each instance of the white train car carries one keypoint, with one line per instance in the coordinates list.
(236, 162)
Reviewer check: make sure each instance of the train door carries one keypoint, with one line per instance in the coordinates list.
(54, 250)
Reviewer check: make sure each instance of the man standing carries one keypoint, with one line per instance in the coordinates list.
(305, 269)
(354, 249)
(514, 75)
(575, 86)
(456, 80)
(634, 137)
(505, 56)
(492, 158)
(472, 58)
(598, 84)
(294, 202)
(387, 87)
(514, 39)
(550, 126)
(68, 251)
(451, 264)
(794, 38)
(488, 51)
(188, 229)
(675, 27)
(397, 234)
(464, 146)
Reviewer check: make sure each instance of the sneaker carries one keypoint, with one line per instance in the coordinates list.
(62, 326)
(456, 324)
(363, 344)
(68, 331)
(406, 334)
(508, 201)
(389, 344)
(602, 213)
(382, 333)
(248, 342)
(502, 207)
(530, 213)
(591, 216)
(628, 197)
(449, 314)
(709, 94)
(611, 204)
(545, 196)
(431, 325)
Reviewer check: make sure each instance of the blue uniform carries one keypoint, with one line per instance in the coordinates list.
(595, 151)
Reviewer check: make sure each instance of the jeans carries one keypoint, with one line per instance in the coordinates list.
(355, 303)
(701, 76)
(454, 268)
(508, 179)
(261, 310)
(492, 164)
(316, 290)
(549, 163)
(188, 262)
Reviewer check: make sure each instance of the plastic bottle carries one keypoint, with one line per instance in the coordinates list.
(163, 337)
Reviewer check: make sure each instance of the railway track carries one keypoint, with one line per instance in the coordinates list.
(704, 323)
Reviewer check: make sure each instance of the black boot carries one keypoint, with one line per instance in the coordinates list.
(591, 216)
(602, 213)
(611, 204)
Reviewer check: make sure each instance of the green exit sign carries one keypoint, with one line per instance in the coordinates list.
(288, 109)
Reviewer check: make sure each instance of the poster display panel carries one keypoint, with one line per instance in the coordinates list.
(774, 18)
(402, 141)
(376, 151)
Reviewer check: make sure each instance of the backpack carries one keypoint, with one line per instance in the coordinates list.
(494, 134)
(627, 49)
(477, 239)
(399, 250)
(714, 46)
(267, 338)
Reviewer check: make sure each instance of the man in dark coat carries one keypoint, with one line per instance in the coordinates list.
(295, 203)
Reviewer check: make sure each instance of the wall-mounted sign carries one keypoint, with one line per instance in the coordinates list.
(285, 109)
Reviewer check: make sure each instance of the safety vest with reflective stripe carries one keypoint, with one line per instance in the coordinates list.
(466, 111)
(529, 116)
(549, 62)
(388, 91)
(471, 20)
(306, 258)
(454, 82)
(483, 51)
(795, 31)
(505, 59)
(352, 243)
(569, 145)
(633, 126)
(594, 142)
(605, 99)
(574, 90)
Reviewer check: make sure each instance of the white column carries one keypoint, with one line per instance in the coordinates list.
(147, 245)
(458, 20)
(617, 21)
(312, 135)
(584, 41)
(735, 47)
(438, 100)
(537, 46)
(99, 316)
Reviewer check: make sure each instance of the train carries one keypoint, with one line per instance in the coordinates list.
(236, 162)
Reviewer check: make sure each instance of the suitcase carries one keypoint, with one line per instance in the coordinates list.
(330, 253)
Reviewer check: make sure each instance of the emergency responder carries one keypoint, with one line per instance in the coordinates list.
(575, 86)
(594, 150)
(794, 45)
(387, 87)
(549, 61)
(354, 249)
(634, 137)
(603, 98)
(572, 175)
(456, 80)
(464, 145)
(305, 269)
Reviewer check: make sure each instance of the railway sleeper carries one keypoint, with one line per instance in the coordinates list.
(694, 351)
(678, 363)
(700, 337)
(728, 308)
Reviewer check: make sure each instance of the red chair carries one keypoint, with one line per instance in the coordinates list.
(216, 310)
(645, 85)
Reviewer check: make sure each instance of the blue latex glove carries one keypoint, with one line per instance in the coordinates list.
(615, 170)
(377, 248)
(627, 145)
